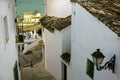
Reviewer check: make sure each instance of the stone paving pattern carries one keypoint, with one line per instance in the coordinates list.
(37, 71)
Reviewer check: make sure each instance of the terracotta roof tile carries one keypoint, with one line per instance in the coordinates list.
(107, 11)
(52, 23)
(66, 57)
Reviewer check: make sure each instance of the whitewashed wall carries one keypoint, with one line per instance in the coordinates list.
(54, 41)
(55, 44)
(88, 34)
(66, 40)
(8, 52)
(58, 8)
(53, 50)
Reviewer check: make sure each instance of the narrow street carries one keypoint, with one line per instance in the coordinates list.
(32, 65)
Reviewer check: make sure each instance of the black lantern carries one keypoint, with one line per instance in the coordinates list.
(98, 58)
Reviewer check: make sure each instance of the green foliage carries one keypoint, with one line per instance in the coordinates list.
(36, 11)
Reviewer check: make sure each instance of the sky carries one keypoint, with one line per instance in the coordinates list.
(29, 6)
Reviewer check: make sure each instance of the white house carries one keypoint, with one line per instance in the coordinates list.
(57, 38)
(88, 33)
(56, 35)
(30, 17)
(9, 68)
(93, 27)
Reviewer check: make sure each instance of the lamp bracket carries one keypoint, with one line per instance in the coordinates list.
(108, 65)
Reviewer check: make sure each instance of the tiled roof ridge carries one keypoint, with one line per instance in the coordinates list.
(66, 57)
(107, 11)
(52, 22)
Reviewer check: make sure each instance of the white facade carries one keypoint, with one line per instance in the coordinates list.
(55, 45)
(88, 34)
(27, 15)
(58, 8)
(8, 48)
(58, 42)
(31, 18)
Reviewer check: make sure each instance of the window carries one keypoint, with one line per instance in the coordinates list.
(90, 68)
(6, 28)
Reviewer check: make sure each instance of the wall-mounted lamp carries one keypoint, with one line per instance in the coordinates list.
(98, 58)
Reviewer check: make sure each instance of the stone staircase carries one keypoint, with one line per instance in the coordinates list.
(37, 71)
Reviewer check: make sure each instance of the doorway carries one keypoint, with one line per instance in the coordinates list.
(15, 70)
(64, 71)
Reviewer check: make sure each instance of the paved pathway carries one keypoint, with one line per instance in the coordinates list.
(37, 71)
